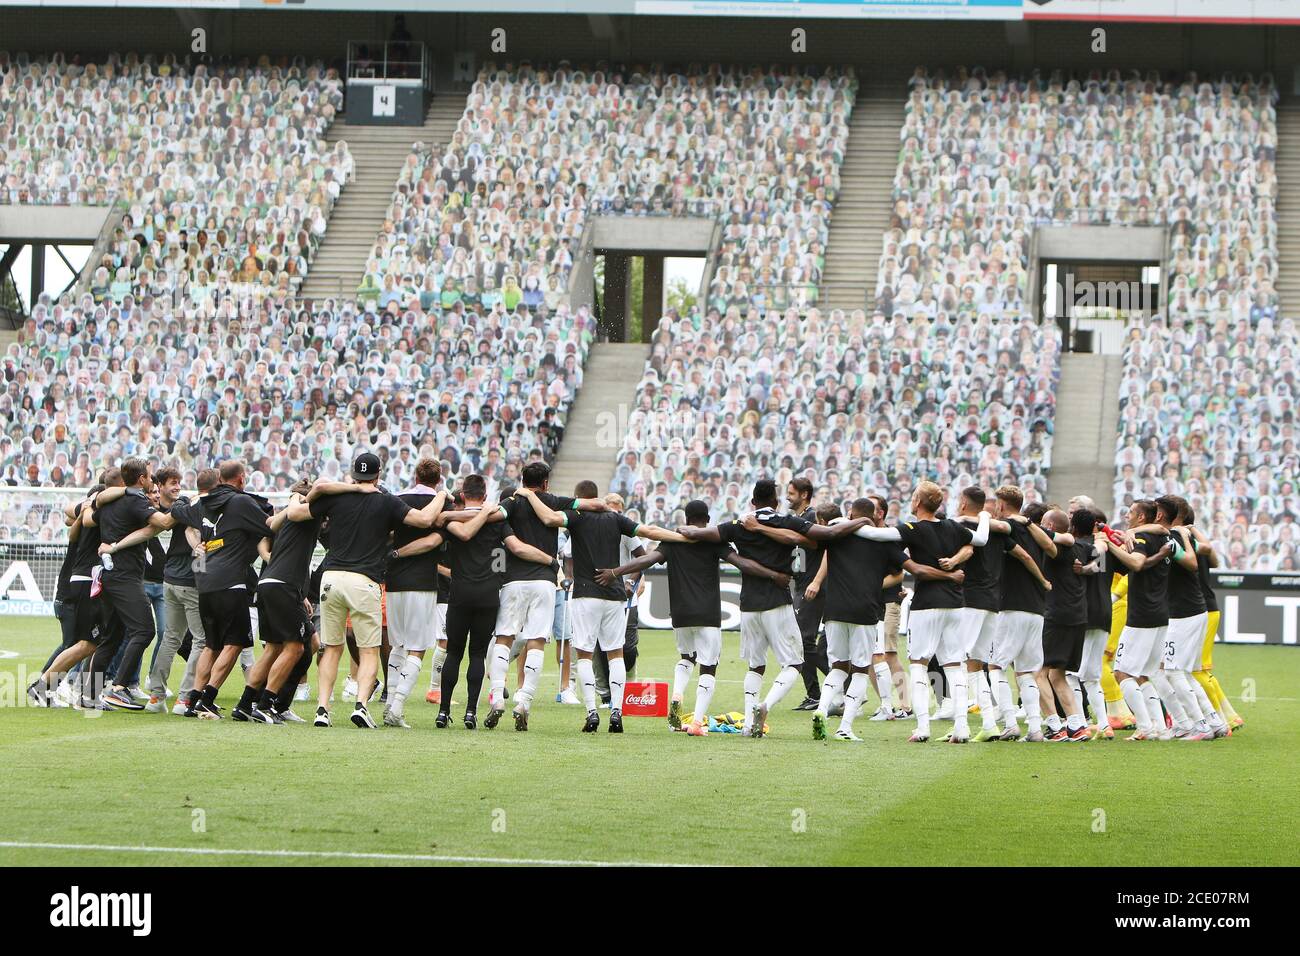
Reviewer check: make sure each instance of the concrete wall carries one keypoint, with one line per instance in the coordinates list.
(1101, 243)
(662, 234)
(52, 223)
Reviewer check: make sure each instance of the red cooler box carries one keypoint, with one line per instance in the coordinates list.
(645, 698)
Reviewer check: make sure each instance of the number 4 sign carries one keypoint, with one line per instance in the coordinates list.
(385, 101)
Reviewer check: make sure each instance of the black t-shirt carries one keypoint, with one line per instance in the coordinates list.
(360, 523)
(232, 524)
(419, 572)
(983, 585)
(1020, 589)
(1148, 591)
(116, 520)
(69, 560)
(154, 559)
(1184, 589)
(291, 552)
(478, 570)
(1096, 587)
(855, 570)
(596, 539)
(809, 560)
(760, 594)
(179, 567)
(1207, 582)
(88, 542)
(1067, 605)
(694, 592)
(530, 530)
(441, 555)
(926, 543)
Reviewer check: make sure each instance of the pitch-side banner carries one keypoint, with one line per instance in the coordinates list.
(1256, 608)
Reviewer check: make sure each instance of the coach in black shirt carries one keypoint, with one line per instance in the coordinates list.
(362, 518)
(126, 610)
(807, 610)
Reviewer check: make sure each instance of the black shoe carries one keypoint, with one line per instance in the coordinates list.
(261, 716)
(593, 722)
(616, 721)
(521, 719)
(471, 720)
(493, 718)
(443, 720)
(361, 718)
(208, 711)
(809, 703)
(38, 696)
(241, 715)
(322, 718)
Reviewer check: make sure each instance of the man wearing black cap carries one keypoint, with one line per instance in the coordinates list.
(360, 525)
(695, 605)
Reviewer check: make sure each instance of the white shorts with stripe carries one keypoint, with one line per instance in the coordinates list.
(849, 643)
(1018, 643)
(704, 642)
(1140, 649)
(413, 619)
(1094, 649)
(1184, 642)
(775, 628)
(979, 627)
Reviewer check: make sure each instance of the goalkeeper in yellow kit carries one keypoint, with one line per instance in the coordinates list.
(1118, 716)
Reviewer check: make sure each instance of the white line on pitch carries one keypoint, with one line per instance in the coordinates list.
(327, 855)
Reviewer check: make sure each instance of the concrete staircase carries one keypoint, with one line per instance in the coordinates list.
(861, 213)
(379, 153)
(1087, 425)
(597, 420)
(1288, 205)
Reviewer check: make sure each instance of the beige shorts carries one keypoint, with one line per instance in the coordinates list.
(345, 594)
(893, 613)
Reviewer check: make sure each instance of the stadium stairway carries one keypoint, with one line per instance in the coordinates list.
(597, 422)
(1087, 425)
(379, 153)
(1288, 205)
(861, 213)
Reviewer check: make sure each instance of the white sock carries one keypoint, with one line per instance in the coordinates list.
(788, 677)
(853, 698)
(956, 674)
(1002, 688)
(983, 697)
(498, 663)
(1151, 691)
(396, 661)
(1053, 721)
(753, 684)
(1136, 699)
(1191, 707)
(833, 685)
(406, 679)
(921, 697)
(1212, 715)
(533, 661)
(884, 685)
(681, 674)
(617, 678)
(587, 678)
(1029, 697)
(1073, 681)
(704, 697)
(1074, 721)
(435, 669)
(1098, 701)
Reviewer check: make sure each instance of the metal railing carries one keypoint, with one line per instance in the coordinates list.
(393, 60)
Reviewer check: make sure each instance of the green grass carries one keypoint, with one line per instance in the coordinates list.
(649, 796)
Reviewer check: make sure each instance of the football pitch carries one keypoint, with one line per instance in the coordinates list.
(148, 789)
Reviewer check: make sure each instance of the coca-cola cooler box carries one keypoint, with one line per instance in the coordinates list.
(645, 698)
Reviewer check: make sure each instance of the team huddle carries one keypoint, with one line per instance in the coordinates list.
(1047, 600)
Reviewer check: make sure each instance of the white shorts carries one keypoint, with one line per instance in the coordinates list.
(704, 642)
(1018, 642)
(978, 630)
(1185, 641)
(1094, 648)
(1140, 650)
(878, 638)
(442, 622)
(527, 610)
(936, 632)
(849, 642)
(413, 619)
(775, 628)
(596, 621)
